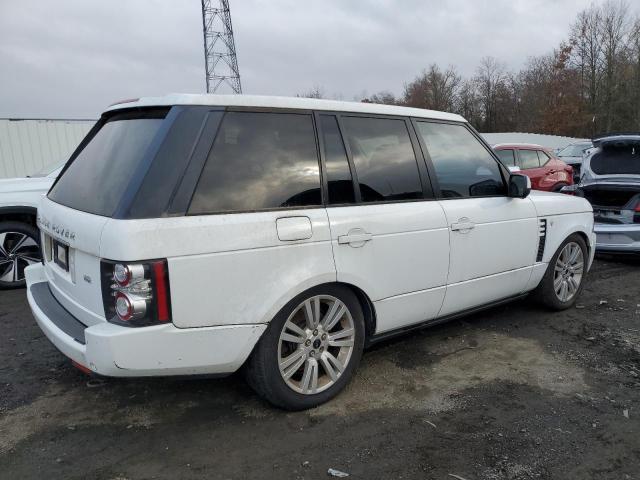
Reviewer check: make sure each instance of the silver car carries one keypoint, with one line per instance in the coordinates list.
(610, 180)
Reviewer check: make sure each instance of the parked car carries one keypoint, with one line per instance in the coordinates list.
(573, 154)
(611, 183)
(195, 234)
(19, 237)
(546, 171)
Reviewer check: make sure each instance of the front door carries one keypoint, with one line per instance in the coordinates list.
(493, 237)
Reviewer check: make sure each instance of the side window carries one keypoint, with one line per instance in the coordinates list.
(260, 161)
(339, 181)
(383, 157)
(543, 157)
(463, 166)
(507, 157)
(528, 159)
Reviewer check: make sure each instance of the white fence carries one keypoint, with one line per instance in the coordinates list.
(549, 141)
(28, 146)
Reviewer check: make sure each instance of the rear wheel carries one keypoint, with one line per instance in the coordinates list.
(310, 350)
(558, 187)
(564, 278)
(19, 248)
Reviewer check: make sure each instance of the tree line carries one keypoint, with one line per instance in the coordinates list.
(588, 84)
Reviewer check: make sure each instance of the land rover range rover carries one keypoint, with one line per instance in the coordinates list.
(198, 234)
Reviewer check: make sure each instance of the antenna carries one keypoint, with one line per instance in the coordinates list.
(221, 63)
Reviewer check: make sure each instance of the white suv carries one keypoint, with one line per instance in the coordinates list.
(197, 234)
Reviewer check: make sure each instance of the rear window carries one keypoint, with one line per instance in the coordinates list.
(617, 160)
(260, 161)
(97, 178)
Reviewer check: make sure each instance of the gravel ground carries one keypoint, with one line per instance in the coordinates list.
(513, 393)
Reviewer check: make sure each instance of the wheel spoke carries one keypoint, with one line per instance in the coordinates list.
(557, 283)
(293, 368)
(29, 259)
(343, 338)
(330, 321)
(577, 267)
(292, 358)
(297, 336)
(310, 376)
(11, 275)
(3, 249)
(312, 312)
(18, 244)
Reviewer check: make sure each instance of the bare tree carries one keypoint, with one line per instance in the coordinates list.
(434, 89)
(490, 78)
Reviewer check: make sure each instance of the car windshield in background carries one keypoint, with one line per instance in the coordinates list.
(618, 159)
(574, 150)
(97, 178)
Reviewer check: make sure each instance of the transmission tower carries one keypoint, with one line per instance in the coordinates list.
(221, 63)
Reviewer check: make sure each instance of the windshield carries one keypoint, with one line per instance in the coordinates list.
(575, 150)
(97, 178)
(617, 160)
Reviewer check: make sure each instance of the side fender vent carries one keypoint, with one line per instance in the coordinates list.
(542, 237)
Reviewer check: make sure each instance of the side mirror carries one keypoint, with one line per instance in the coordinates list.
(519, 186)
(513, 168)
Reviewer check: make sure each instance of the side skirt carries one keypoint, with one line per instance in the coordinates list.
(436, 321)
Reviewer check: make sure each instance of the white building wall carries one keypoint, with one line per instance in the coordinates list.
(28, 146)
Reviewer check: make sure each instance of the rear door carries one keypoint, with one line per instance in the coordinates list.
(530, 165)
(389, 237)
(493, 236)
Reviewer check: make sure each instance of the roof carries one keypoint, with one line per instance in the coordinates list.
(519, 145)
(285, 102)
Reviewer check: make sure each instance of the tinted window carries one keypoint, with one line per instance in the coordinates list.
(384, 160)
(528, 159)
(97, 178)
(463, 165)
(507, 157)
(260, 161)
(618, 159)
(339, 180)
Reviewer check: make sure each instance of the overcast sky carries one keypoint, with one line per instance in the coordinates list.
(72, 58)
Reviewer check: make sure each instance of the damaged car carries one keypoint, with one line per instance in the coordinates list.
(610, 181)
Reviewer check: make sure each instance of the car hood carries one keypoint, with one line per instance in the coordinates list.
(36, 184)
(549, 203)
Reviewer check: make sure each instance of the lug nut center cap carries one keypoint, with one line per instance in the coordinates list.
(316, 343)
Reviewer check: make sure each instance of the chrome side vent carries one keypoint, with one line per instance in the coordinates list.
(542, 237)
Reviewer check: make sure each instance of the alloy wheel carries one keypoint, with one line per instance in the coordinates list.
(17, 251)
(316, 344)
(568, 272)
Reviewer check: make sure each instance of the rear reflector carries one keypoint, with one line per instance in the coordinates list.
(80, 367)
(162, 298)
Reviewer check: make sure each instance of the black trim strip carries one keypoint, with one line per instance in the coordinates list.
(436, 321)
(56, 313)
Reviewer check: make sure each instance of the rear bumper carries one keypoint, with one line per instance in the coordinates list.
(116, 351)
(621, 238)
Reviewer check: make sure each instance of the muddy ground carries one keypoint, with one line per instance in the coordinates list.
(512, 393)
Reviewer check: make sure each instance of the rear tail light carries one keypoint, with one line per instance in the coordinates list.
(136, 294)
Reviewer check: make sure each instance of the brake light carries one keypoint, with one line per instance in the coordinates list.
(637, 209)
(136, 294)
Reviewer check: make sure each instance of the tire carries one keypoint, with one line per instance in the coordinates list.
(271, 360)
(546, 292)
(557, 187)
(19, 247)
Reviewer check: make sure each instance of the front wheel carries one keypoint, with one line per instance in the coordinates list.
(564, 278)
(310, 350)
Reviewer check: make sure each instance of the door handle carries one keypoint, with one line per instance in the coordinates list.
(355, 238)
(463, 225)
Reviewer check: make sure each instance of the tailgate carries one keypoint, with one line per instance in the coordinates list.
(71, 251)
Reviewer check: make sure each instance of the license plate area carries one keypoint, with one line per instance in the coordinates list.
(61, 255)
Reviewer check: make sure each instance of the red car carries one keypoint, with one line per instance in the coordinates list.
(546, 171)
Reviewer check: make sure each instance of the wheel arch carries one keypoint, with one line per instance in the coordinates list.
(20, 214)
